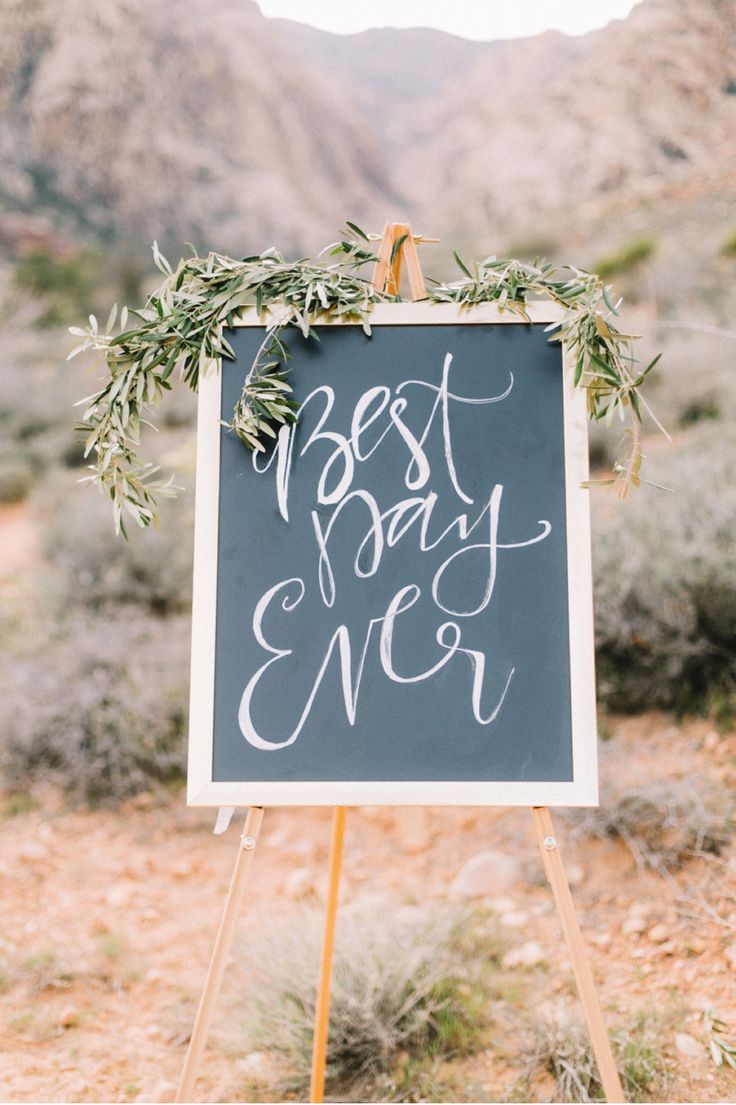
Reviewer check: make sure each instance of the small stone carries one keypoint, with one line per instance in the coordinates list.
(528, 955)
(634, 925)
(255, 1066)
(730, 955)
(688, 1046)
(601, 939)
(575, 874)
(69, 1016)
(181, 870)
(659, 934)
(696, 946)
(485, 875)
(119, 893)
(164, 1091)
(711, 742)
(153, 1031)
(32, 852)
(517, 919)
(298, 883)
(503, 905)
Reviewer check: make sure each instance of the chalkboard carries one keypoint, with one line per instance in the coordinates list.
(393, 603)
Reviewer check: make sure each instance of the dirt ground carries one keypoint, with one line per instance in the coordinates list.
(108, 918)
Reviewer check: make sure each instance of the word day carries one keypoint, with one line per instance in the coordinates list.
(466, 549)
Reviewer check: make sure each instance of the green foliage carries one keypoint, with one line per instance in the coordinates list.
(403, 997)
(559, 1043)
(627, 258)
(181, 329)
(65, 283)
(16, 479)
(98, 710)
(728, 246)
(700, 410)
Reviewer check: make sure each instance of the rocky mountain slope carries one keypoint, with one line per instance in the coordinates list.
(162, 120)
(147, 119)
(557, 121)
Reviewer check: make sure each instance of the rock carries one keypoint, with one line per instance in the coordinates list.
(180, 870)
(69, 1016)
(688, 1046)
(119, 893)
(502, 905)
(31, 851)
(575, 874)
(298, 883)
(153, 1031)
(164, 1091)
(634, 925)
(484, 875)
(697, 946)
(730, 955)
(601, 939)
(255, 1066)
(659, 934)
(711, 741)
(528, 955)
(517, 919)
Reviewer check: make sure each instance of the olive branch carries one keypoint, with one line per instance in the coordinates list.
(181, 328)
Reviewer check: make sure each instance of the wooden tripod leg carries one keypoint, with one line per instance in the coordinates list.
(220, 952)
(578, 955)
(322, 1011)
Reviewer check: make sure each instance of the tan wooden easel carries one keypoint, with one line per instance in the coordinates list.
(397, 245)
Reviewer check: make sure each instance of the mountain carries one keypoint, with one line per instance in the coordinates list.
(557, 122)
(137, 119)
(177, 121)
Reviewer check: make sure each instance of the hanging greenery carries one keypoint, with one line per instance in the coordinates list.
(180, 331)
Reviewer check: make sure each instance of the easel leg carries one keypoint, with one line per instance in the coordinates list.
(220, 952)
(578, 955)
(322, 1011)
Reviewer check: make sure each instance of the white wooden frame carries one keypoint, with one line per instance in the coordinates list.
(582, 790)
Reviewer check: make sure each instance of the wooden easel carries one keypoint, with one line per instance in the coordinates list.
(398, 245)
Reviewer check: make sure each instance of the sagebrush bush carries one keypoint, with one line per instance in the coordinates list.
(89, 566)
(97, 710)
(558, 1042)
(16, 479)
(665, 583)
(661, 823)
(403, 991)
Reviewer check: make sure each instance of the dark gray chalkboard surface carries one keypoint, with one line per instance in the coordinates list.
(392, 588)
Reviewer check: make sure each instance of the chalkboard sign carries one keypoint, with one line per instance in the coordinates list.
(393, 604)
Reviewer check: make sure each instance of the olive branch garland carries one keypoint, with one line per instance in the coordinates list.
(181, 329)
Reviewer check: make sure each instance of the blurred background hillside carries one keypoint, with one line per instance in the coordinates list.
(123, 121)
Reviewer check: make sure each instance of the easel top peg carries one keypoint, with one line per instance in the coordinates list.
(399, 246)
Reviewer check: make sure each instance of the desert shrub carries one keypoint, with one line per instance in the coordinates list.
(699, 409)
(728, 246)
(665, 584)
(16, 479)
(558, 1043)
(97, 711)
(661, 823)
(91, 567)
(65, 283)
(626, 258)
(404, 993)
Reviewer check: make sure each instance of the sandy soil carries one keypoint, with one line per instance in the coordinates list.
(108, 918)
